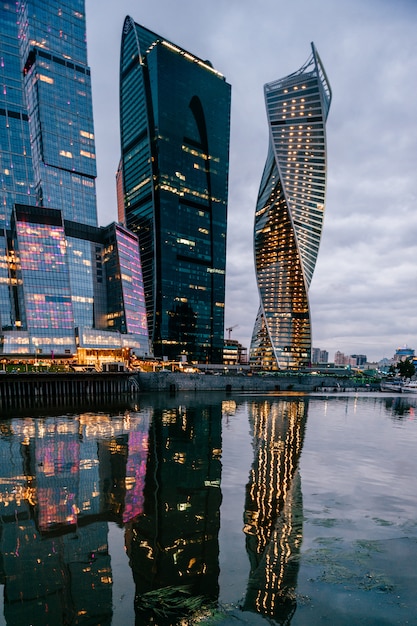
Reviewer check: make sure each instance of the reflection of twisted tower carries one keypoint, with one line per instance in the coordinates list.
(273, 510)
(289, 214)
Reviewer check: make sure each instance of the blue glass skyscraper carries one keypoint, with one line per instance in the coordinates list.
(16, 173)
(289, 215)
(57, 263)
(175, 126)
(57, 87)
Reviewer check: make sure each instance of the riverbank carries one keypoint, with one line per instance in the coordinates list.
(32, 390)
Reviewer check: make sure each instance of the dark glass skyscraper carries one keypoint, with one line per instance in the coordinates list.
(289, 215)
(175, 126)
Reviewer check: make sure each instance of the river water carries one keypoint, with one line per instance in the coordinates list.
(280, 509)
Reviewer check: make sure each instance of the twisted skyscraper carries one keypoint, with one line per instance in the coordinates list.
(289, 215)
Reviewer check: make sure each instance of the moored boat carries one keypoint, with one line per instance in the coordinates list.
(396, 385)
(409, 387)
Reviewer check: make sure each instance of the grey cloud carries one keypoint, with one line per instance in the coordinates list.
(363, 290)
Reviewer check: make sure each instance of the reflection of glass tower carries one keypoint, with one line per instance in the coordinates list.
(62, 480)
(289, 215)
(273, 515)
(175, 542)
(174, 116)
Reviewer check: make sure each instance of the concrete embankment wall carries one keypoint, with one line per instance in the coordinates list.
(173, 382)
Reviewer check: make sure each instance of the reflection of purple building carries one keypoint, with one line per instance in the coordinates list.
(57, 481)
(54, 557)
(135, 474)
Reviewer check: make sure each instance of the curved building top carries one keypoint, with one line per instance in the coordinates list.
(147, 39)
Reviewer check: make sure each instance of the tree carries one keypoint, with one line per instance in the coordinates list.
(406, 368)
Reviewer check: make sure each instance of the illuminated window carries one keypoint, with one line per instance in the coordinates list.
(87, 135)
(89, 155)
(46, 79)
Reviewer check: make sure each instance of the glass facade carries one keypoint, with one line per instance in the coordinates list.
(126, 299)
(55, 292)
(289, 215)
(57, 87)
(16, 174)
(44, 305)
(175, 127)
(56, 308)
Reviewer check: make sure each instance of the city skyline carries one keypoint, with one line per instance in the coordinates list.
(361, 300)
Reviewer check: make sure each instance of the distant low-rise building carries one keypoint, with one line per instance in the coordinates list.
(319, 356)
(353, 360)
(360, 359)
(234, 353)
(340, 358)
(384, 365)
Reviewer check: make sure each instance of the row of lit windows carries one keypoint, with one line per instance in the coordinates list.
(84, 153)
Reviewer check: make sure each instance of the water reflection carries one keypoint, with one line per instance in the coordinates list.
(274, 509)
(400, 407)
(175, 542)
(155, 471)
(62, 480)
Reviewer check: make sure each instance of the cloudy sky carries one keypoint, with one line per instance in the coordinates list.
(364, 291)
